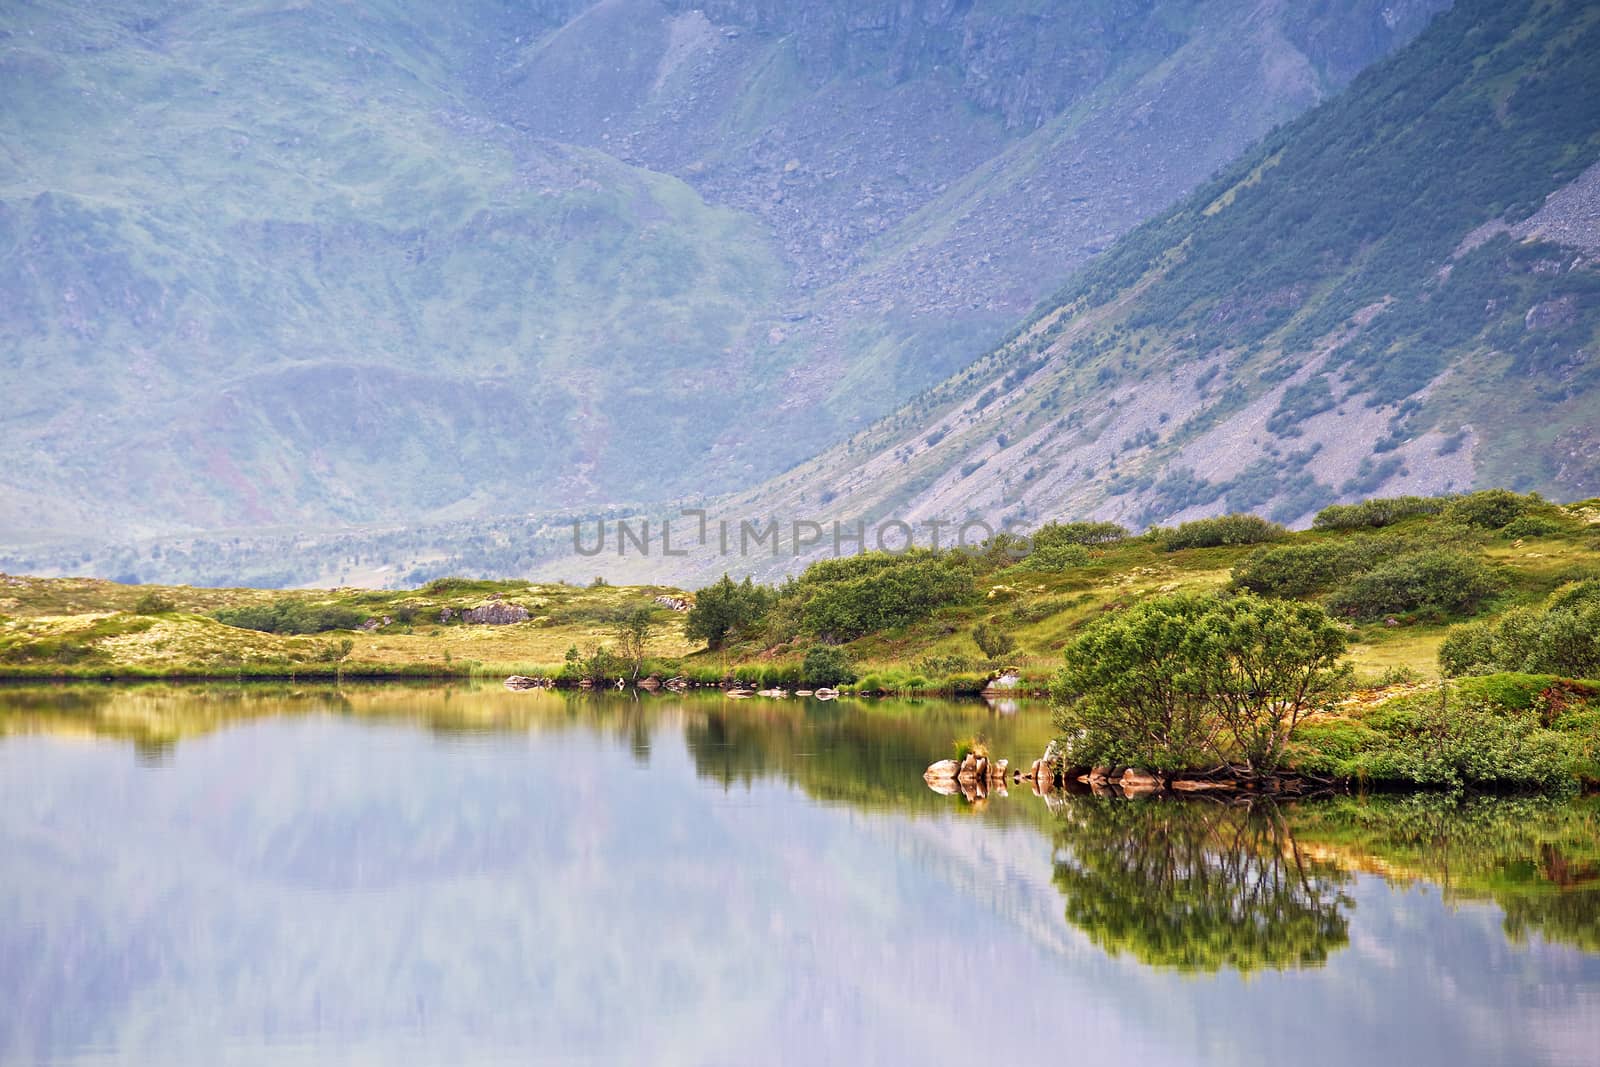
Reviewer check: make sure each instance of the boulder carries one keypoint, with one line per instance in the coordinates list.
(773, 693)
(1003, 682)
(944, 770)
(650, 683)
(1136, 780)
(522, 681)
(673, 603)
(1194, 785)
(495, 613)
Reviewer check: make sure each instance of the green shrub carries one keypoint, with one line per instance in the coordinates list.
(1181, 681)
(827, 666)
(1440, 580)
(289, 615)
(1490, 509)
(1223, 530)
(726, 609)
(1561, 638)
(153, 603)
(1296, 570)
(1384, 511)
(1467, 649)
(992, 641)
(1532, 526)
(1055, 534)
(839, 600)
(1056, 558)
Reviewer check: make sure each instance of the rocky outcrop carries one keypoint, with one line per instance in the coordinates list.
(495, 613)
(522, 681)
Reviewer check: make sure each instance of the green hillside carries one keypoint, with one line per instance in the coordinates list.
(1396, 292)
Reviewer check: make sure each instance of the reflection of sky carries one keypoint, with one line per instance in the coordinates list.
(318, 890)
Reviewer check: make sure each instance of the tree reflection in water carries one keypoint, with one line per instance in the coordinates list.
(1197, 886)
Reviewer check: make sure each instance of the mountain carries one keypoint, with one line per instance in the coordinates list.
(1396, 293)
(272, 265)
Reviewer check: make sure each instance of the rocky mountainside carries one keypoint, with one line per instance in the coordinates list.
(280, 265)
(1396, 293)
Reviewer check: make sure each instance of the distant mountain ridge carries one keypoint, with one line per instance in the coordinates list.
(1397, 292)
(282, 266)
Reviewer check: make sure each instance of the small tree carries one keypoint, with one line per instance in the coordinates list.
(153, 603)
(992, 641)
(825, 665)
(632, 634)
(724, 608)
(1128, 693)
(1262, 666)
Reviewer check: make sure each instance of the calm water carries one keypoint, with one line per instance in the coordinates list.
(451, 876)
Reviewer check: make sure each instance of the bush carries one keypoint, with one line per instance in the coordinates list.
(828, 666)
(292, 616)
(842, 599)
(1384, 511)
(1223, 530)
(1151, 686)
(992, 641)
(1490, 509)
(1296, 570)
(1440, 580)
(1531, 526)
(1054, 534)
(1467, 649)
(725, 609)
(1056, 558)
(1561, 638)
(153, 603)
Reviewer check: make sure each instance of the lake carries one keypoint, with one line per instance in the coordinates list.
(428, 874)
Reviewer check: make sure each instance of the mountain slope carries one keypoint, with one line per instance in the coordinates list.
(283, 265)
(1395, 293)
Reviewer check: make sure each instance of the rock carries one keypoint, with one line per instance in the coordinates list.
(943, 770)
(1552, 314)
(969, 768)
(1099, 774)
(802, 692)
(495, 613)
(1004, 682)
(1136, 780)
(650, 684)
(981, 768)
(773, 693)
(997, 769)
(826, 694)
(674, 603)
(445, 614)
(741, 694)
(1190, 785)
(522, 681)
(678, 685)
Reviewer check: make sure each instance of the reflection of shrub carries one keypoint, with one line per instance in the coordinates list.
(1223, 530)
(1439, 580)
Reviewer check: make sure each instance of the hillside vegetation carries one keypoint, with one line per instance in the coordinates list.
(1396, 292)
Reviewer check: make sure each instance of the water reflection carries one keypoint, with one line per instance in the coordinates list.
(1198, 886)
(240, 872)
